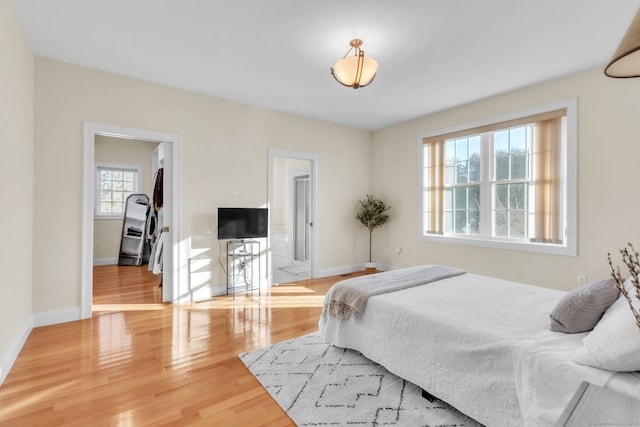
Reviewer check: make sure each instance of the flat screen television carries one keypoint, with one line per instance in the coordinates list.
(242, 223)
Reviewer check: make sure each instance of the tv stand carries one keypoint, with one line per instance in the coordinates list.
(243, 266)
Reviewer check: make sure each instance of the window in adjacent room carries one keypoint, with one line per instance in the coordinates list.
(508, 182)
(114, 183)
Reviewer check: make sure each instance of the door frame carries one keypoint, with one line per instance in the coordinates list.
(172, 179)
(313, 176)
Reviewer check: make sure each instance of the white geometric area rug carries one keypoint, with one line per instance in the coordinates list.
(322, 385)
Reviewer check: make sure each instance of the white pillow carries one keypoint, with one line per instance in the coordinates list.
(614, 344)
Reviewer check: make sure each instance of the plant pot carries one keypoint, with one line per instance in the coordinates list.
(369, 265)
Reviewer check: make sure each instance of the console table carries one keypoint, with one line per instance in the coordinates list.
(243, 266)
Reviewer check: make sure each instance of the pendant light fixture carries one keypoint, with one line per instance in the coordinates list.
(626, 60)
(355, 71)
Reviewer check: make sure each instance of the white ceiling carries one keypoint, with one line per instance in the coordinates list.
(432, 54)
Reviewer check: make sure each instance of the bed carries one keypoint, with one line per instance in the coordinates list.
(479, 343)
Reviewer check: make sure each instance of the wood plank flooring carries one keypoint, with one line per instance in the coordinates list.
(138, 362)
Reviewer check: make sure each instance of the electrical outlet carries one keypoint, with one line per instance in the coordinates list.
(582, 279)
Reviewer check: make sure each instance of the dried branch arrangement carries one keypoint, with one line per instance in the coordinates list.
(631, 259)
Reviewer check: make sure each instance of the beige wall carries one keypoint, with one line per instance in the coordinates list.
(608, 153)
(16, 191)
(130, 152)
(224, 163)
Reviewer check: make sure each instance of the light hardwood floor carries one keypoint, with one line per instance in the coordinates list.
(138, 362)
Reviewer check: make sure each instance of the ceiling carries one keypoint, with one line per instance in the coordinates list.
(432, 54)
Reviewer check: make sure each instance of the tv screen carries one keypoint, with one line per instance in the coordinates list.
(242, 223)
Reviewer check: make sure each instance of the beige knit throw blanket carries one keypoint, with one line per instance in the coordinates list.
(348, 298)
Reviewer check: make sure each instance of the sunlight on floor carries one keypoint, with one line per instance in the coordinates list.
(128, 307)
(281, 289)
(37, 397)
(269, 301)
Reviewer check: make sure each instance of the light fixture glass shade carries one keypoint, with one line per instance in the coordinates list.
(355, 71)
(626, 61)
(346, 71)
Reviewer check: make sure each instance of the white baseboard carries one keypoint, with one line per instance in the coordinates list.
(37, 320)
(55, 317)
(6, 364)
(345, 269)
(205, 293)
(105, 261)
(384, 267)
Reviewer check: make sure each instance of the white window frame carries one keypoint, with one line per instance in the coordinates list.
(137, 186)
(569, 155)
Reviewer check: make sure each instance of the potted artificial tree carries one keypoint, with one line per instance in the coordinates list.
(372, 214)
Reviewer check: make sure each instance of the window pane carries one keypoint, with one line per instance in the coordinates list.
(448, 199)
(448, 175)
(501, 141)
(517, 224)
(501, 228)
(114, 187)
(474, 197)
(462, 171)
(474, 146)
(474, 222)
(118, 207)
(517, 196)
(450, 151)
(502, 194)
(460, 195)
(502, 167)
(461, 149)
(461, 222)
(448, 222)
(519, 166)
(474, 169)
(518, 140)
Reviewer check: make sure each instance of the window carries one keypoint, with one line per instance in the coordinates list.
(114, 183)
(508, 182)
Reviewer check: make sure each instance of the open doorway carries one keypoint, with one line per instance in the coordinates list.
(292, 216)
(171, 254)
(126, 221)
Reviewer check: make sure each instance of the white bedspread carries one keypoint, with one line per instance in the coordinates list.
(455, 338)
